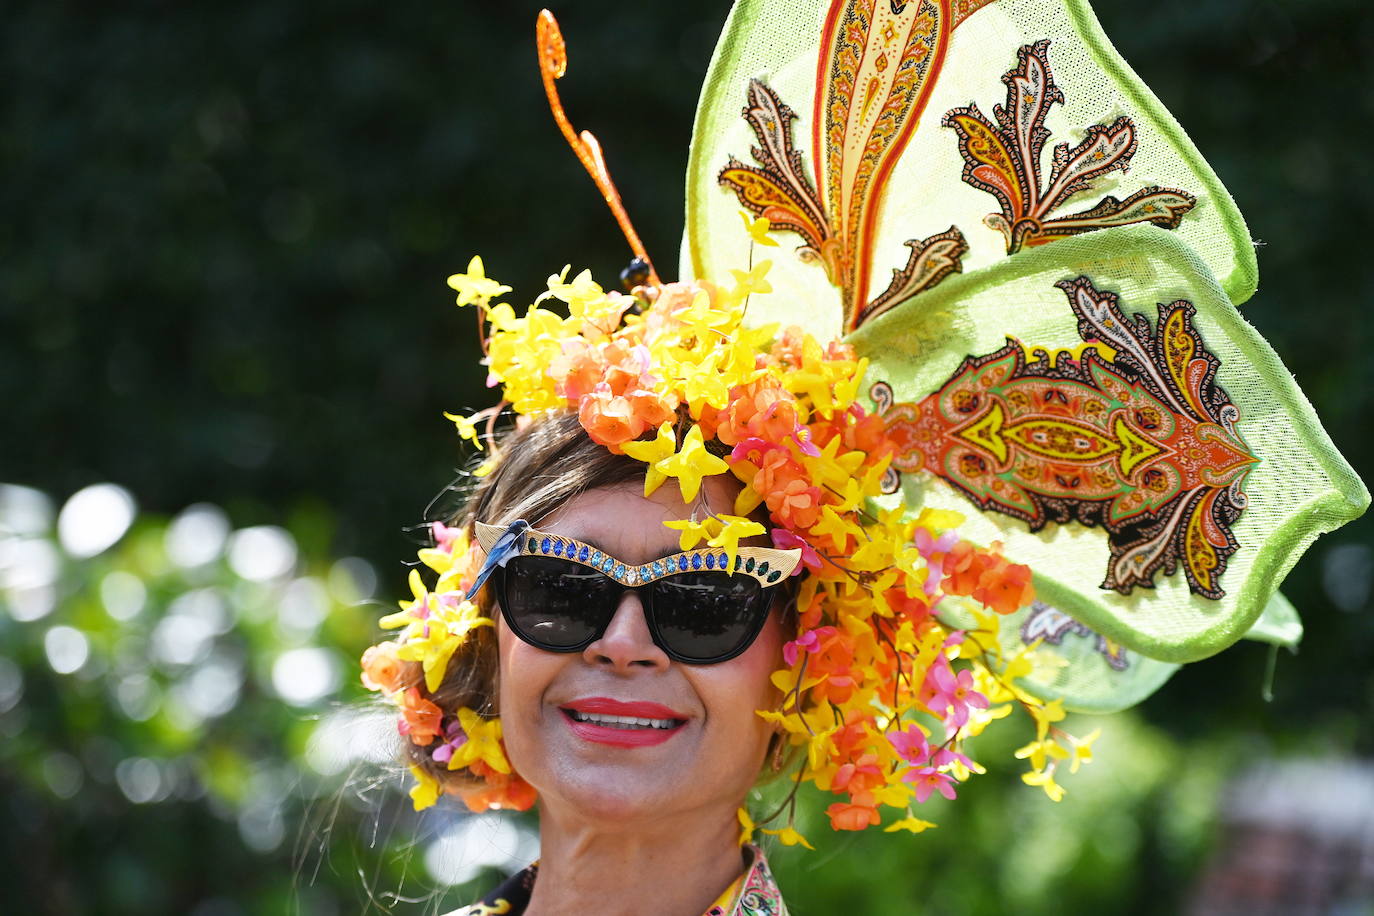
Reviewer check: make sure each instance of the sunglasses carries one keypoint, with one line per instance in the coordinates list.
(559, 594)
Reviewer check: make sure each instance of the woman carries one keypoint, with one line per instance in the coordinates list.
(656, 800)
(601, 631)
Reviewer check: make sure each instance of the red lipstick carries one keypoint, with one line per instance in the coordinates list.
(594, 719)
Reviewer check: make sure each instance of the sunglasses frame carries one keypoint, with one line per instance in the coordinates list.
(767, 566)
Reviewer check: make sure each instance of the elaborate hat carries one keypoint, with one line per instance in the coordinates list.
(998, 394)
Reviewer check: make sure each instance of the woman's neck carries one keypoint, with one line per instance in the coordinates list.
(670, 868)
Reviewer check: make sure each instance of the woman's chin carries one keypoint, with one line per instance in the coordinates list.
(614, 796)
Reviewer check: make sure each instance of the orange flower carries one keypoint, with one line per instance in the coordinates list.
(852, 817)
(1005, 587)
(577, 370)
(963, 568)
(609, 419)
(419, 718)
(502, 791)
(648, 408)
(788, 351)
(797, 506)
(382, 670)
(625, 368)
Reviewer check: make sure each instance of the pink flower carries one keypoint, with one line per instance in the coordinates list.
(751, 447)
(933, 551)
(944, 756)
(927, 780)
(454, 738)
(444, 536)
(911, 745)
(810, 641)
(787, 540)
(951, 692)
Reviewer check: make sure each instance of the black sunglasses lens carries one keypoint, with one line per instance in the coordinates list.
(557, 604)
(708, 616)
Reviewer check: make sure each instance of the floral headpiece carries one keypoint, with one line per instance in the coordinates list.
(923, 484)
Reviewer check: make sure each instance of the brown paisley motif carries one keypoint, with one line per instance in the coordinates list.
(1132, 435)
(1004, 159)
(878, 64)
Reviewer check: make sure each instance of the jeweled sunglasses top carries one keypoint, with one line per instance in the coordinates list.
(765, 564)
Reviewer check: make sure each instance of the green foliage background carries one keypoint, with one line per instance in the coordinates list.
(226, 230)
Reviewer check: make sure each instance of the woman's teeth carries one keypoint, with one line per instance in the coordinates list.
(620, 721)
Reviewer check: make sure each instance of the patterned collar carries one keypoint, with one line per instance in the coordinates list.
(754, 893)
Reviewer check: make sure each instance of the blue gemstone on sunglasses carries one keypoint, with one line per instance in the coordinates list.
(619, 570)
(558, 548)
(545, 545)
(682, 562)
(696, 561)
(606, 564)
(710, 561)
(596, 558)
(723, 561)
(582, 554)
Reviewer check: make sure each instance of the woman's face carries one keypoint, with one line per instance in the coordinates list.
(705, 765)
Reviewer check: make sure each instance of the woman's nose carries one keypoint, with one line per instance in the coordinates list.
(627, 643)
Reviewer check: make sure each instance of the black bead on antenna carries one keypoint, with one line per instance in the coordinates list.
(636, 274)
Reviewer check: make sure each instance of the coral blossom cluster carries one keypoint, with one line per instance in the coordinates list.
(895, 663)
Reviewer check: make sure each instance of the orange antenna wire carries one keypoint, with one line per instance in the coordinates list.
(553, 63)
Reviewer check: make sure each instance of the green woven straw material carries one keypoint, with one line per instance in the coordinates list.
(776, 41)
(1300, 487)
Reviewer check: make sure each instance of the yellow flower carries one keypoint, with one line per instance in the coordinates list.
(467, 428)
(1045, 780)
(1041, 752)
(1082, 750)
(439, 637)
(691, 464)
(729, 536)
(484, 743)
(757, 229)
(425, 792)
(1046, 715)
(693, 531)
(746, 826)
(659, 449)
(474, 286)
(914, 824)
(790, 837)
(836, 526)
(409, 609)
(754, 280)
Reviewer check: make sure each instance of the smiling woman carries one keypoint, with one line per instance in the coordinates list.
(633, 750)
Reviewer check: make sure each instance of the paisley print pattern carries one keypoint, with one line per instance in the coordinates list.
(877, 66)
(1130, 433)
(1004, 159)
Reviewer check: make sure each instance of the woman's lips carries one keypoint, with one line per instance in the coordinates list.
(620, 724)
